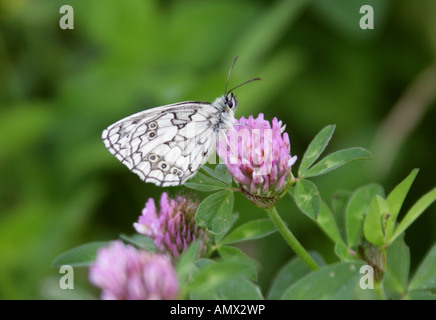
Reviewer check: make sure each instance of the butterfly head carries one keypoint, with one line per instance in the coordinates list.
(230, 101)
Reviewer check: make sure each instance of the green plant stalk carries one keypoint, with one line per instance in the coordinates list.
(290, 238)
(378, 287)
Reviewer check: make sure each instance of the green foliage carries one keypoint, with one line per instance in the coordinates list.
(234, 254)
(307, 198)
(418, 208)
(185, 266)
(357, 209)
(425, 276)
(367, 210)
(327, 223)
(316, 147)
(216, 211)
(216, 274)
(140, 241)
(220, 173)
(337, 282)
(290, 273)
(397, 271)
(337, 159)
(305, 193)
(395, 200)
(60, 187)
(375, 221)
(81, 256)
(240, 289)
(330, 162)
(251, 230)
(202, 182)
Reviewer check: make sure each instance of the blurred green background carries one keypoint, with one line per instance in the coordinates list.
(59, 89)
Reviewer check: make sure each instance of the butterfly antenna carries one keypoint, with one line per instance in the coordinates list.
(230, 72)
(248, 81)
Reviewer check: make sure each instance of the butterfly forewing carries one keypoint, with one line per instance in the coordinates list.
(165, 145)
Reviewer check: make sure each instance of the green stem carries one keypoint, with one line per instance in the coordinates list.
(378, 287)
(290, 238)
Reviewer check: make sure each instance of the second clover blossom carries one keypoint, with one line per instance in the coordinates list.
(125, 273)
(257, 154)
(173, 227)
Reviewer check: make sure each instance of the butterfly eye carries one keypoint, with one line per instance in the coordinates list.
(230, 101)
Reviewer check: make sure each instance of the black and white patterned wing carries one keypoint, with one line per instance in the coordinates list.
(165, 145)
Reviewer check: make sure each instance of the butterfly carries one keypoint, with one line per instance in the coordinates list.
(167, 145)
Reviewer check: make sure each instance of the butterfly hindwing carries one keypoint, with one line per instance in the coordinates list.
(165, 145)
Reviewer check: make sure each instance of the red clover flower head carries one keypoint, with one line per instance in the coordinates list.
(125, 273)
(173, 227)
(257, 154)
